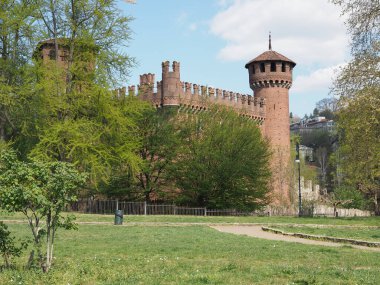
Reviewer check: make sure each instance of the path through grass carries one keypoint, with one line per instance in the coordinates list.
(102, 254)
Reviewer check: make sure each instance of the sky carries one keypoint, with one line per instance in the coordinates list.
(214, 39)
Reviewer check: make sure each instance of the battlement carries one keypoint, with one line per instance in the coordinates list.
(191, 97)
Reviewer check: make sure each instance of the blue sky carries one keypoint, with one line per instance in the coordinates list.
(213, 39)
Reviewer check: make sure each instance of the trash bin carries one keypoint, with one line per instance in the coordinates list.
(118, 217)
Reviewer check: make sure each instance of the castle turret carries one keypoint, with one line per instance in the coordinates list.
(270, 77)
(171, 88)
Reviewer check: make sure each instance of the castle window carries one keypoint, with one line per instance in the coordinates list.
(273, 67)
(52, 55)
(262, 67)
(283, 69)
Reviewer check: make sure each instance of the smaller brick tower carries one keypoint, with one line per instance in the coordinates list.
(270, 77)
(171, 87)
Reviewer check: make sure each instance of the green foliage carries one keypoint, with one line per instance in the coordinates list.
(8, 248)
(346, 192)
(359, 123)
(40, 191)
(223, 162)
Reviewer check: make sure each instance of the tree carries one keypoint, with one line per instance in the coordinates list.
(315, 112)
(160, 144)
(15, 34)
(358, 87)
(160, 141)
(40, 191)
(69, 112)
(329, 103)
(321, 155)
(359, 123)
(223, 162)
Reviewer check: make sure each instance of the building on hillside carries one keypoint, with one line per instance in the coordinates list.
(310, 125)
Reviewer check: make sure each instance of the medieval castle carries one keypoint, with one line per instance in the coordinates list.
(270, 78)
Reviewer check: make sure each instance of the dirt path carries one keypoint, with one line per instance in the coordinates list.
(256, 231)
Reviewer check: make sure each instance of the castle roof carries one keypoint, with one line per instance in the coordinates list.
(270, 55)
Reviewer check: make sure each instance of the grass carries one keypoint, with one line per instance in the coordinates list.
(357, 221)
(367, 234)
(105, 254)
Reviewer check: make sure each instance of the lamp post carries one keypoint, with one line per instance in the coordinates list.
(299, 179)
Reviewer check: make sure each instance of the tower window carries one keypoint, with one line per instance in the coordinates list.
(52, 54)
(273, 67)
(262, 67)
(283, 69)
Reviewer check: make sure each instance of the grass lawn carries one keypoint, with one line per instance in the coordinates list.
(356, 221)
(368, 234)
(106, 254)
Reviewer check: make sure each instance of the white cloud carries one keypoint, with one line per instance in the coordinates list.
(307, 31)
(193, 26)
(320, 79)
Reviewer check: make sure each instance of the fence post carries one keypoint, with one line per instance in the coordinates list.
(117, 204)
(144, 208)
(175, 210)
(205, 212)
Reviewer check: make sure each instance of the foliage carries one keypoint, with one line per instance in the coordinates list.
(8, 249)
(223, 162)
(62, 108)
(347, 192)
(358, 87)
(359, 123)
(41, 192)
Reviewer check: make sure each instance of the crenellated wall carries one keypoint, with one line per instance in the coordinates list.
(171, 91)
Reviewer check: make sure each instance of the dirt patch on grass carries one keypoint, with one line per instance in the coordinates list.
(256, 231)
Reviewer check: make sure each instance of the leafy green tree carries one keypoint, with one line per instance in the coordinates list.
(223, 162)
(160, 143)
(40, 191)
(16, 33)
(360, 143)
(358, 87)
(349, 193)
(69, 112)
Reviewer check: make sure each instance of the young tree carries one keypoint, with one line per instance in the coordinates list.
(41, 192)
(223, 162)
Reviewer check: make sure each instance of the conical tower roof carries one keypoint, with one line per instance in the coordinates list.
(270, 55)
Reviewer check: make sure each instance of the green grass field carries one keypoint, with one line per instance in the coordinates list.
(106, 254)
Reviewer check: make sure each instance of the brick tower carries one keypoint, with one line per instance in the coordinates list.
(270, 77)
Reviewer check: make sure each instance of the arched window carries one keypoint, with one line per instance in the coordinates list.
(283, 68)
(262, 67)
(52, 54)
(273, 67)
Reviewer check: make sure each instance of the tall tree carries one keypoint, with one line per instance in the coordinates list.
(72, 113)
(223, 162)
(358, 86)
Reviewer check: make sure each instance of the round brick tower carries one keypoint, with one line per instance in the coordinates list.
(270, 77)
